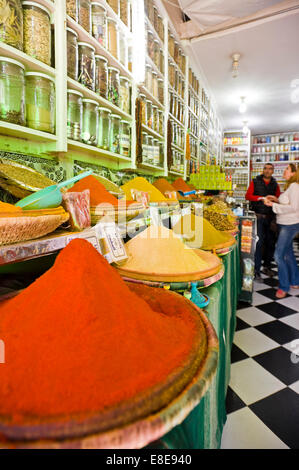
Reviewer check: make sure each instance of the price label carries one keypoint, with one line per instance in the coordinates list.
(111, 242)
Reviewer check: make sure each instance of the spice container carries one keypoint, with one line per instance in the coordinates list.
(125, 95)
(143, 108)
(11, 24)
(12, 91)
(176, 52)
(155, 119)
(74, 114)
(161, 153)
(113, 39)
(72, 54)
(113, 85)
(114, 5)
(157, 53)
(171, 44)
(123, 49)
(125, 140)
(160, 28)
(40, 102)
(183, 63)
(115, 133)
(150, 45)
(171, 72)
(161, 90)
(155, 85)
(130, 59)
(86, 65)
(170, 101)
(148, 78)
(149, 114)
(124, 12)
(150, 150)
(84, 14)
(99, 23)
(161, 67)
(144, 147)
(37, 31)
(90, 122)
(101, 76)
(151, 11)
(104, 128)
(161, 122)
(155, 21)
(72, 9)
(156, 152)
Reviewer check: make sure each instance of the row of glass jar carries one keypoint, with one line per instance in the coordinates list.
(276, 139)
(152, 116)
(176, 52)
(93, 72)
(194, 147)
(193, 82)
(94, 125)
(26, 98)
(153, 84)
(204, 99)
(27, 27)
(177, 161)
(175, 79)
(154, 51)
(92, 15)
(176, 106)
(204, 117)
(178, 134)
(152, 150)
(193, 103)
(156, 20)
(276, 148)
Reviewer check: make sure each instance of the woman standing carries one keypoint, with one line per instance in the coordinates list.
(286, 207)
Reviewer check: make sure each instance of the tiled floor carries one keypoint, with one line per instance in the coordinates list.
(263, 396)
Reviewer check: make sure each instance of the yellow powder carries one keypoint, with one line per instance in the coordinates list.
(141, 184)
(199, 233)
(5, 207)
(157, 252)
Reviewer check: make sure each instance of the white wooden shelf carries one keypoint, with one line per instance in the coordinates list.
(176, 120)
(176, 147)
(90, 149)
(278, 162)
(152, 132)
(14, 130)
(151, 166)
(151, 97)
(31, 64)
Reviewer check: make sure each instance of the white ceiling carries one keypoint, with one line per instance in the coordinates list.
(269, 63)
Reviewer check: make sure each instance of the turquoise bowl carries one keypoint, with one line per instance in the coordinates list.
(46, 198)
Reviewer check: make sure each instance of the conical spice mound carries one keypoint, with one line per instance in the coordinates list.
(78, 341)
(157, 254)
(197, 232)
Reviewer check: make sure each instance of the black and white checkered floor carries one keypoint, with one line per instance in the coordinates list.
(263, 396)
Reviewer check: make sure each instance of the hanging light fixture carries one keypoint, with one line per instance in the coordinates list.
(245, 129)
(243, 106)
(236, 58)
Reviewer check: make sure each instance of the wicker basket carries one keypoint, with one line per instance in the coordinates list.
(22, 228)
(127, 213)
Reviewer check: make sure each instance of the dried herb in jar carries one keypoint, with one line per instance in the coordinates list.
(11, 23)
(72, 9)
(37, 32)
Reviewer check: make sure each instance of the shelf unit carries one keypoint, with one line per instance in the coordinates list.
(14, 138)
(233, 155)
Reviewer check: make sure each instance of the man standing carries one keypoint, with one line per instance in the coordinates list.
(262, 186)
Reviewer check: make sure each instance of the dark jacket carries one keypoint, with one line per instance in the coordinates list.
(262, 189)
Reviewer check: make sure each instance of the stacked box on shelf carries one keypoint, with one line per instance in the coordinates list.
(210, 177)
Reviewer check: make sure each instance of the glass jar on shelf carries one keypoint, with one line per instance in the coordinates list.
(148, 78)
(150, 150)
(160, 28)
(150, 9)
(155, 85)
(174, 105)
(74, 114)
(161, 122)
(11, 25)
(123, 49)
(155, 22)
(90, 122)
(101, 80)
(72, 54)
(183, 63)
(170, 98)
(157, 53)
(115, 133)
(99, 23)
(86, 65)
(171, 44)
(150, 45)
(161, 153)
(125, 138)
(12, 91)
(113, 85)
(125, 95)
(124, 12)
(161, 90)
(104, 128)
(156, 152)
(72, 9)
(149, 113)
(37, 31)
(171, 73)
(114, 5)
(112, 37)
(143, 108)
(84, 15)
(130, 58)
(176, 52)
(155, 118)
(40, 102)
(144, 147)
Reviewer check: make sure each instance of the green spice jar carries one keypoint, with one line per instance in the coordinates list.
(101, 84)
(84, 14)
(12, 91)
(11, 23)
(74, 114)
(113, 85)
(99, 23)
(115, 133)
(104, 128)
(86, 65)
(90, 127)
(125, 139)
(37, 31)
(72, 9)
(40, 102)
(72, 53)
(125, 95)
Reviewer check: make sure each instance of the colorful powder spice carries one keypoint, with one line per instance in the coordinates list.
(98, 192)
(141, 184)
(181, 185)
(165, 187)
(78, 341)
(5, 207)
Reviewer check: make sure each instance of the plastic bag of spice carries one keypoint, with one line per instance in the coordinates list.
(78, 207)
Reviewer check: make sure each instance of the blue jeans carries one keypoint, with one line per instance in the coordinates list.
(288, 272)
